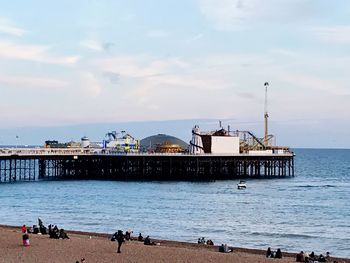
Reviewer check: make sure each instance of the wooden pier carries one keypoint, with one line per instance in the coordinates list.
(38, 164)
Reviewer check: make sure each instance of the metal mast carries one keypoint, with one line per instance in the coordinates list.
(266, 117)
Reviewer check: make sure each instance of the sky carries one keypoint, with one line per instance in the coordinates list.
(83, 64)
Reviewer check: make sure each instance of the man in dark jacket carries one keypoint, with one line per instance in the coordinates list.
(120, 239)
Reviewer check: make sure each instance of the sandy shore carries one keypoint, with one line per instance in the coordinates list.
(98, 248)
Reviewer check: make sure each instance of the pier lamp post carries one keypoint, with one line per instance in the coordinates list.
(17, 137)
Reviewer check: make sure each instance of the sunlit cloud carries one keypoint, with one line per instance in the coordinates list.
(25, 82)
(8, 27)
(35, 53)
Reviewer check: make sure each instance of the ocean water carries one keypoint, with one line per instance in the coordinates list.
(309, 212)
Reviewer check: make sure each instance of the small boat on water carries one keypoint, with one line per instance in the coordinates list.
(241, 185)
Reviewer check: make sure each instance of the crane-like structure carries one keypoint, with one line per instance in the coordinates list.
(266, 117)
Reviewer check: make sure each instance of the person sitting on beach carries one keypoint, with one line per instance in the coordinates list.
(114, 236)
(42, 228)
(321, 258)
(140, 237)
(278, 253)
(54, 233)
(300, 257)
(306, 257)
(328, 256)
(128, 235)
(269, 253)
(227, 249)
(35, 229)
(148, 242)
(63, 234)
(312, 256)
(25, 239)
(199, 241)
(210, 242)
(222, 248)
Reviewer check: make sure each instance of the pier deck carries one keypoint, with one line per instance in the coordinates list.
(38, 163)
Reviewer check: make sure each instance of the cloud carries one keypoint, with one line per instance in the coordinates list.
(157, 34)
(32, 82)
(96, 46)
(333, 34)
(92, 45)
(34, 53)
(7, 27)
(231, 15)
(194, 38)
(112, 77)
(90, 84)
(107, 46)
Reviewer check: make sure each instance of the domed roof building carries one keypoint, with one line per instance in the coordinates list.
(162, 141)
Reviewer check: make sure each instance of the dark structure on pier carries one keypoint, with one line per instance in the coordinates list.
(144, 167)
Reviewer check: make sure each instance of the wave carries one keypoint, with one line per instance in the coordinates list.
(316, 186)
(294, 236)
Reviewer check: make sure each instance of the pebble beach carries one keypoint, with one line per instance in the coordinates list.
(98, 248)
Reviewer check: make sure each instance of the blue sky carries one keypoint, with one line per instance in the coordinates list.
(89, 62)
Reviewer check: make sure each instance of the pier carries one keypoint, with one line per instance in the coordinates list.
(87, 164)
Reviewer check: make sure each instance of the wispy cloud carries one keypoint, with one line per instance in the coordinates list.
(231, 15)
(90, 83)
(33, 53)
(91, 44)
(8, 27)
(194, 38)
(24, 82)
(97, 46)
(157, 34)
(333, 34)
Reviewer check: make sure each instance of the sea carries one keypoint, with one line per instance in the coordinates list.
(309, 212)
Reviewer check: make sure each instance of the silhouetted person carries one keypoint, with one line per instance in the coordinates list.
(63, 234)
(148, 242)
(269, 253)
(35, 229)
(128, 235)
(140, 237)
(210, 242)
(120, 239)
(278, 253)
(300, 257)
(312, 256)
(321, 258)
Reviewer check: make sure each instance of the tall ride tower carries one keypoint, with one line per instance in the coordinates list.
(266, 117)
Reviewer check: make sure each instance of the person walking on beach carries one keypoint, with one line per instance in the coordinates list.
(120, 239)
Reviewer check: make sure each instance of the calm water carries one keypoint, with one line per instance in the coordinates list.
(308, 212)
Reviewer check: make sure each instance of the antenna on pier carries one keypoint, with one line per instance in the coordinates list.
(266, 117)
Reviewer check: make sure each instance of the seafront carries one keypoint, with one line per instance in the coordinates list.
(98, 248)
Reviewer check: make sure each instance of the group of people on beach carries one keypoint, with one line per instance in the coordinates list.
(305, 257)
(272, 254)
(52, 230)
(203, 242)
(120, 237)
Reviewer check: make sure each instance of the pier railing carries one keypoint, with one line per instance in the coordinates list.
(99, 151)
